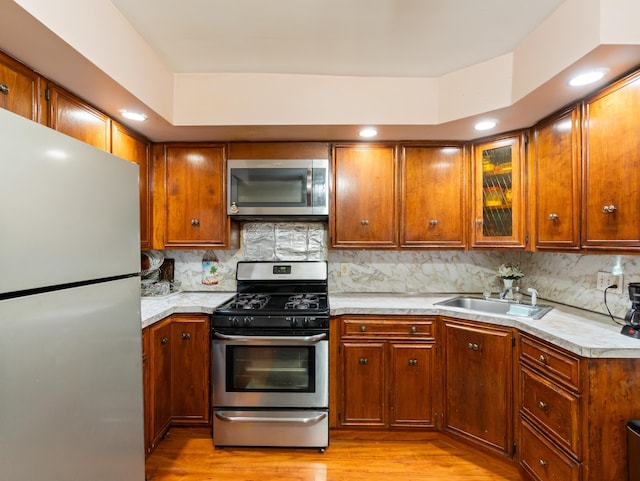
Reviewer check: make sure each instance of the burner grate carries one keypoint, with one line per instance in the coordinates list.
(249, 301)
(303, 301)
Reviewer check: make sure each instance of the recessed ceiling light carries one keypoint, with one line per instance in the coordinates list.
(587, 78)
(137, 116)
(485, 125)
(368, 132)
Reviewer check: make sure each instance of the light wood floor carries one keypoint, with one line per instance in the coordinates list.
(187, 454)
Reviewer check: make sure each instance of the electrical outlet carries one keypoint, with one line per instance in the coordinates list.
(344, 269)
(606, 279)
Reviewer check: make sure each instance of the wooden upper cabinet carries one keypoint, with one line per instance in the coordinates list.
(433, 207)
(364, 197)
(498, 193)
(134, 148)
(19, 88)
(611, 185)
(189, 196)
(556, 177)
(70, 115)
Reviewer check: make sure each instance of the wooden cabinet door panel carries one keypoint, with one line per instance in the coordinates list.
(19, 88)
(129, 146)
(364, 208)
(498, 194)
(612, 167)
(71, 116)
(411, 368)
(433, 208)
(557, 177)
(478, 375)
(160, 378)
(194, 195)
(364, 402)
(190, 367)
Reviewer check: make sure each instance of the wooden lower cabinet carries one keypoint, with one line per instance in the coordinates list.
(573, 413)
(478, 383)
(159, 415)
(176, 374)
(190, 369)
(386, 372)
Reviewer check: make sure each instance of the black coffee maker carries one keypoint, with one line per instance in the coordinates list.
(632, 319)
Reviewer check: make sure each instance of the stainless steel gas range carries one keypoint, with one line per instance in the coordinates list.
(270, 357)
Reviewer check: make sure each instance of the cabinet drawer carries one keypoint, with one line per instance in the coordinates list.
(554, 409)
(373, 328)
(559, 365)
(542, 461)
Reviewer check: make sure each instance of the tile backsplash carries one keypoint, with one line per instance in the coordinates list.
(565, 278)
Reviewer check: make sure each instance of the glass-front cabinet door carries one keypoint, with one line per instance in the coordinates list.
(498, 193)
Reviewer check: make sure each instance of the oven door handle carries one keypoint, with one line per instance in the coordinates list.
(316, 338)
(266, 419)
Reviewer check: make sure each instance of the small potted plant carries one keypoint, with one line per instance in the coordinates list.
(509, 273)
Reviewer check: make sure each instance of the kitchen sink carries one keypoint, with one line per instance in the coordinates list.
(495, 306)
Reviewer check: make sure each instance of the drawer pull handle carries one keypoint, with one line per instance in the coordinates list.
(4, 89)
(414, 329)
(542, 359)
(363, 328)
(195, 222)
(364, 361)
(413, 362)
(608, 209)
(185, 335)
(542, 405)
(364, 222)
(542, 463)
(433, 222)
(473, 346)
(164, 340)
(553, 217)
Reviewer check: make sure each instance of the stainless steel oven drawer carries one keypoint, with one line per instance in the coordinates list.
(299, 428)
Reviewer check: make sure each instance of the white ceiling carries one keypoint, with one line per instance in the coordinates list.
(84, 45)
(385, 38)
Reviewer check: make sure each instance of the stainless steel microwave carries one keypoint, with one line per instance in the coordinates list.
(278, 188)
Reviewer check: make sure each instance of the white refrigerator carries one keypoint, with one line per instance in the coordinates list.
(71, 404)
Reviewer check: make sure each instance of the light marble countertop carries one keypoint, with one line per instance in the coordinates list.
(585, 333)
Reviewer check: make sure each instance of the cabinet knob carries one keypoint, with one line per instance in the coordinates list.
(413, 362)
(364, 361)
(195, 222)
(542, 463)
(608, 209)
(364, 222)
(473, 346)
(553, 217)
(542, 405)
(4, 89)
(363, 328)
(479, 221)
(185, 335)
(433, 222)
(164, 340)
(542, 359)
(414, 329)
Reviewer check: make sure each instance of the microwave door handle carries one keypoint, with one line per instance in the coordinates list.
(309, 185)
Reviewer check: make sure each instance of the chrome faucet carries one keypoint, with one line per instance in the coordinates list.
(534, 295)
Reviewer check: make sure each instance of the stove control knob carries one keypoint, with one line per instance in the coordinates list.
(294, 321)
(306, 321)
(235, 322)
(246, 322)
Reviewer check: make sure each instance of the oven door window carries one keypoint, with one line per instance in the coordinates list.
(270, 369)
